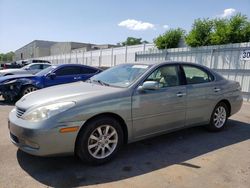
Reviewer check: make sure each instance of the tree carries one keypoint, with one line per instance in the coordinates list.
(246, 33)
(200, 34)
(170, 39)
(6, 57)
(133, 41)
(221, 32)
(238, 29)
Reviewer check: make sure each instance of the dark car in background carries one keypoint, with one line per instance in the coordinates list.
(16, 86)
(20, 63)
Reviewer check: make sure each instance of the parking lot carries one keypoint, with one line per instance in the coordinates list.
(187, 158)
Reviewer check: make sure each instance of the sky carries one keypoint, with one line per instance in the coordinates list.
(103, 21)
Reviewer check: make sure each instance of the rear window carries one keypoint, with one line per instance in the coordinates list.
(195, 75)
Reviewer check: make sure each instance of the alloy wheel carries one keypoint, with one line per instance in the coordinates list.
(102, 141)
(29, 90)
(220, 116)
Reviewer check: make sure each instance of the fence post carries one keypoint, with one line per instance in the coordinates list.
(90, 57)
(69, 57)
(126, 53)
(111, 56)
(100, 58)
(83, 53)
(76, 58)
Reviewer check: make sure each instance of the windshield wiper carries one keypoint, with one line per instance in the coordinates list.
(100, 82)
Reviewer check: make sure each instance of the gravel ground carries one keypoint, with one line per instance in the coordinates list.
(188, 158)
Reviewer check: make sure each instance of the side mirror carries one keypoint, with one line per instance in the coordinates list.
(27, 68)
(52, 75)
(149, 85)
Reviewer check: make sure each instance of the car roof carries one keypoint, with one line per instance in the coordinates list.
(71, 64)
(39, 64)
(155, 63)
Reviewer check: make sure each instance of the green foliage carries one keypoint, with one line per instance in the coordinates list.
(237, 28)
(170, 39)
(201, 32)
(219, 31)
(133, 41)
(6, 57)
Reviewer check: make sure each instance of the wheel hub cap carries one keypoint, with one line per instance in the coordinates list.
(102, 141)
(220, 116)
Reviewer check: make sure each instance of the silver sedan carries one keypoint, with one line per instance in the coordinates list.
(32, 68)
(123, 104)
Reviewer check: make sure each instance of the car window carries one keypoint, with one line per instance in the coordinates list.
(166, 76)
(63, 71)
(121, 75)
(86, 70)
(45, 66)
(36, 66)
(195, 75)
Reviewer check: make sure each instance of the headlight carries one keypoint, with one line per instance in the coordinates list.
(10, 82)
(45, 112)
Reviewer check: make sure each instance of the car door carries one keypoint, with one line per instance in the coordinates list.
(162, 109)
(63, 75)
(200, 94)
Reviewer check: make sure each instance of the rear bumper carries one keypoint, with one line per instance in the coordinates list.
(236, 104)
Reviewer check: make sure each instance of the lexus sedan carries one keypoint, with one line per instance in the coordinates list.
(28, 69)
(15, 86)
(123, 104)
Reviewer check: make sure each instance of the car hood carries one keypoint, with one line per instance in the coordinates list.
(13, 77)
(6, 71)
(77, 91)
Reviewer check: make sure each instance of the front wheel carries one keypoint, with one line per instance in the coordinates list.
(219, 117)
(28, 89)
(99, 141)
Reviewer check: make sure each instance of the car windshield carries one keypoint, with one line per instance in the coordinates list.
(46, 71)
(121, 75)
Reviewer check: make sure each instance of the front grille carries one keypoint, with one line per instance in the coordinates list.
(19, 112)
(14, 138)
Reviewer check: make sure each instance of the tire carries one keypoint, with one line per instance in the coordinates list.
(28, 89)
(9, 99)
(97, 148)
(219, 117)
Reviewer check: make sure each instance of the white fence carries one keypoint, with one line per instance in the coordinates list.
(225, 59)
(232, 60)
(101, 58)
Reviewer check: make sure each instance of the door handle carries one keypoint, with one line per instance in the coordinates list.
(216, 89)
(76, 78)
(180, 94)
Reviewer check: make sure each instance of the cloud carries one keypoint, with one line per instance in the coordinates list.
(165, 26)
(227, 12)
(136, 25)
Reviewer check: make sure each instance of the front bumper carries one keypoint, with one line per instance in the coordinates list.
(10, 91)
(33, 139)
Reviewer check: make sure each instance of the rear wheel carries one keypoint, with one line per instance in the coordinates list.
(99, 141)
(219, 117)
(28, 89)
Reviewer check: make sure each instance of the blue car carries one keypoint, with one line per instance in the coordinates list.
(16, 86)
